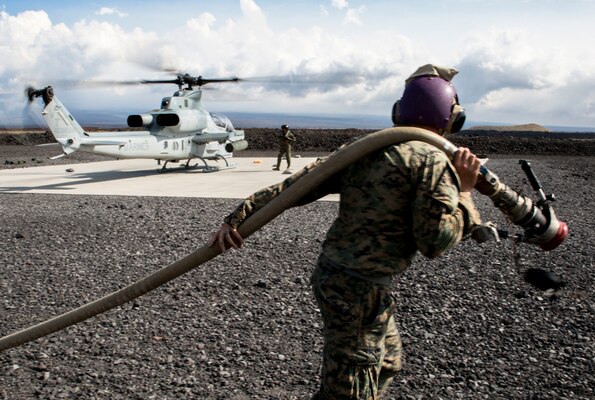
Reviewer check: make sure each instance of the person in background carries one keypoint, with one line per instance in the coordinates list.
(395, 202)
(286, 140)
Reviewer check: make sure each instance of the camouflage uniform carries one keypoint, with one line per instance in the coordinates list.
(394, 202)
(286, 139)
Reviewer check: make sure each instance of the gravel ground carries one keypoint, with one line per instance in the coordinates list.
(245, 325)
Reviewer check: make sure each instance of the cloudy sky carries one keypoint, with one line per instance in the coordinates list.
(520, 61)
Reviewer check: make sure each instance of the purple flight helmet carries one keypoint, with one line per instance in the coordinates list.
(430, 101)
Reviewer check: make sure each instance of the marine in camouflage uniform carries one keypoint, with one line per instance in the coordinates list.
(286, 139)
(394, 202)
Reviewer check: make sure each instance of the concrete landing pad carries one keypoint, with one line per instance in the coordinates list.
(142, 178)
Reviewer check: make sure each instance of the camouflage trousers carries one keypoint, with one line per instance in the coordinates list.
(284, 151)
(362, 346)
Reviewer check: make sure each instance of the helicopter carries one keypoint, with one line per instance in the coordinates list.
(181, 129)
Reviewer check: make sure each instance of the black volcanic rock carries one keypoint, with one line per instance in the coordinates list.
(245, 325)
(481, 142)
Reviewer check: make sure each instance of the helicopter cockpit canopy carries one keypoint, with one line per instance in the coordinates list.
(222, 121)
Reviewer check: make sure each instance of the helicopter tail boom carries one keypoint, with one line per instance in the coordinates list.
(66, 130)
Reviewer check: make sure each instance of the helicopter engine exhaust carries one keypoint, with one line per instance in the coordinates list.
(168, 119)
(139, 120)
(238, 145)
(286, 199)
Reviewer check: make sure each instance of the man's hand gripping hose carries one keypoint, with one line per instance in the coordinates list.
(539, 222)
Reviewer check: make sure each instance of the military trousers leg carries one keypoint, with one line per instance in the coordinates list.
(362, 346)
(288, 156)
(284, 151)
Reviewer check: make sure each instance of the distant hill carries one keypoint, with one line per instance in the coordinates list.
(510, 128)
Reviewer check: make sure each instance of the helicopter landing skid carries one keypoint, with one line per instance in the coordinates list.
(205, 167)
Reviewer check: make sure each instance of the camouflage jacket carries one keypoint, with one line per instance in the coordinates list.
(394, 202)
(286, 139)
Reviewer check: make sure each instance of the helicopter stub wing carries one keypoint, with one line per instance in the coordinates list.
(103, 141)
(65, 142)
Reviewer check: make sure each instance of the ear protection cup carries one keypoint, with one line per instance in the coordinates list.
(395, 112)
(457, 119)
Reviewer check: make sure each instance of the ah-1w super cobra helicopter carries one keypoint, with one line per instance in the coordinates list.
(181, 129)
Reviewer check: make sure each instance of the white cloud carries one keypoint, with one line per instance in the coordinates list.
(19, 38)
(352, 15)
(506, 75)
(110, 11)
(340, 4)
(324, 71)
(203, 24)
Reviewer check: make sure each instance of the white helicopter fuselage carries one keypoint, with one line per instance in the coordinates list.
(180, 129)
(143, 144)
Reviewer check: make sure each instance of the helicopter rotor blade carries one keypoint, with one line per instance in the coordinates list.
(189, 80)
(220, 80)
(295, 83)
(73, 84)
(344, 78)
(181, 80)
(146, 81)
(30, 93)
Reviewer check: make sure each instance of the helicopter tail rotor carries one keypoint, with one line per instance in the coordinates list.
(30, 93)
(47, 94)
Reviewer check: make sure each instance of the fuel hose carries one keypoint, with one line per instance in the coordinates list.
(286, 199)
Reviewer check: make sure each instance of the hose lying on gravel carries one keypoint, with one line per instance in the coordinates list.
(285, 200)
